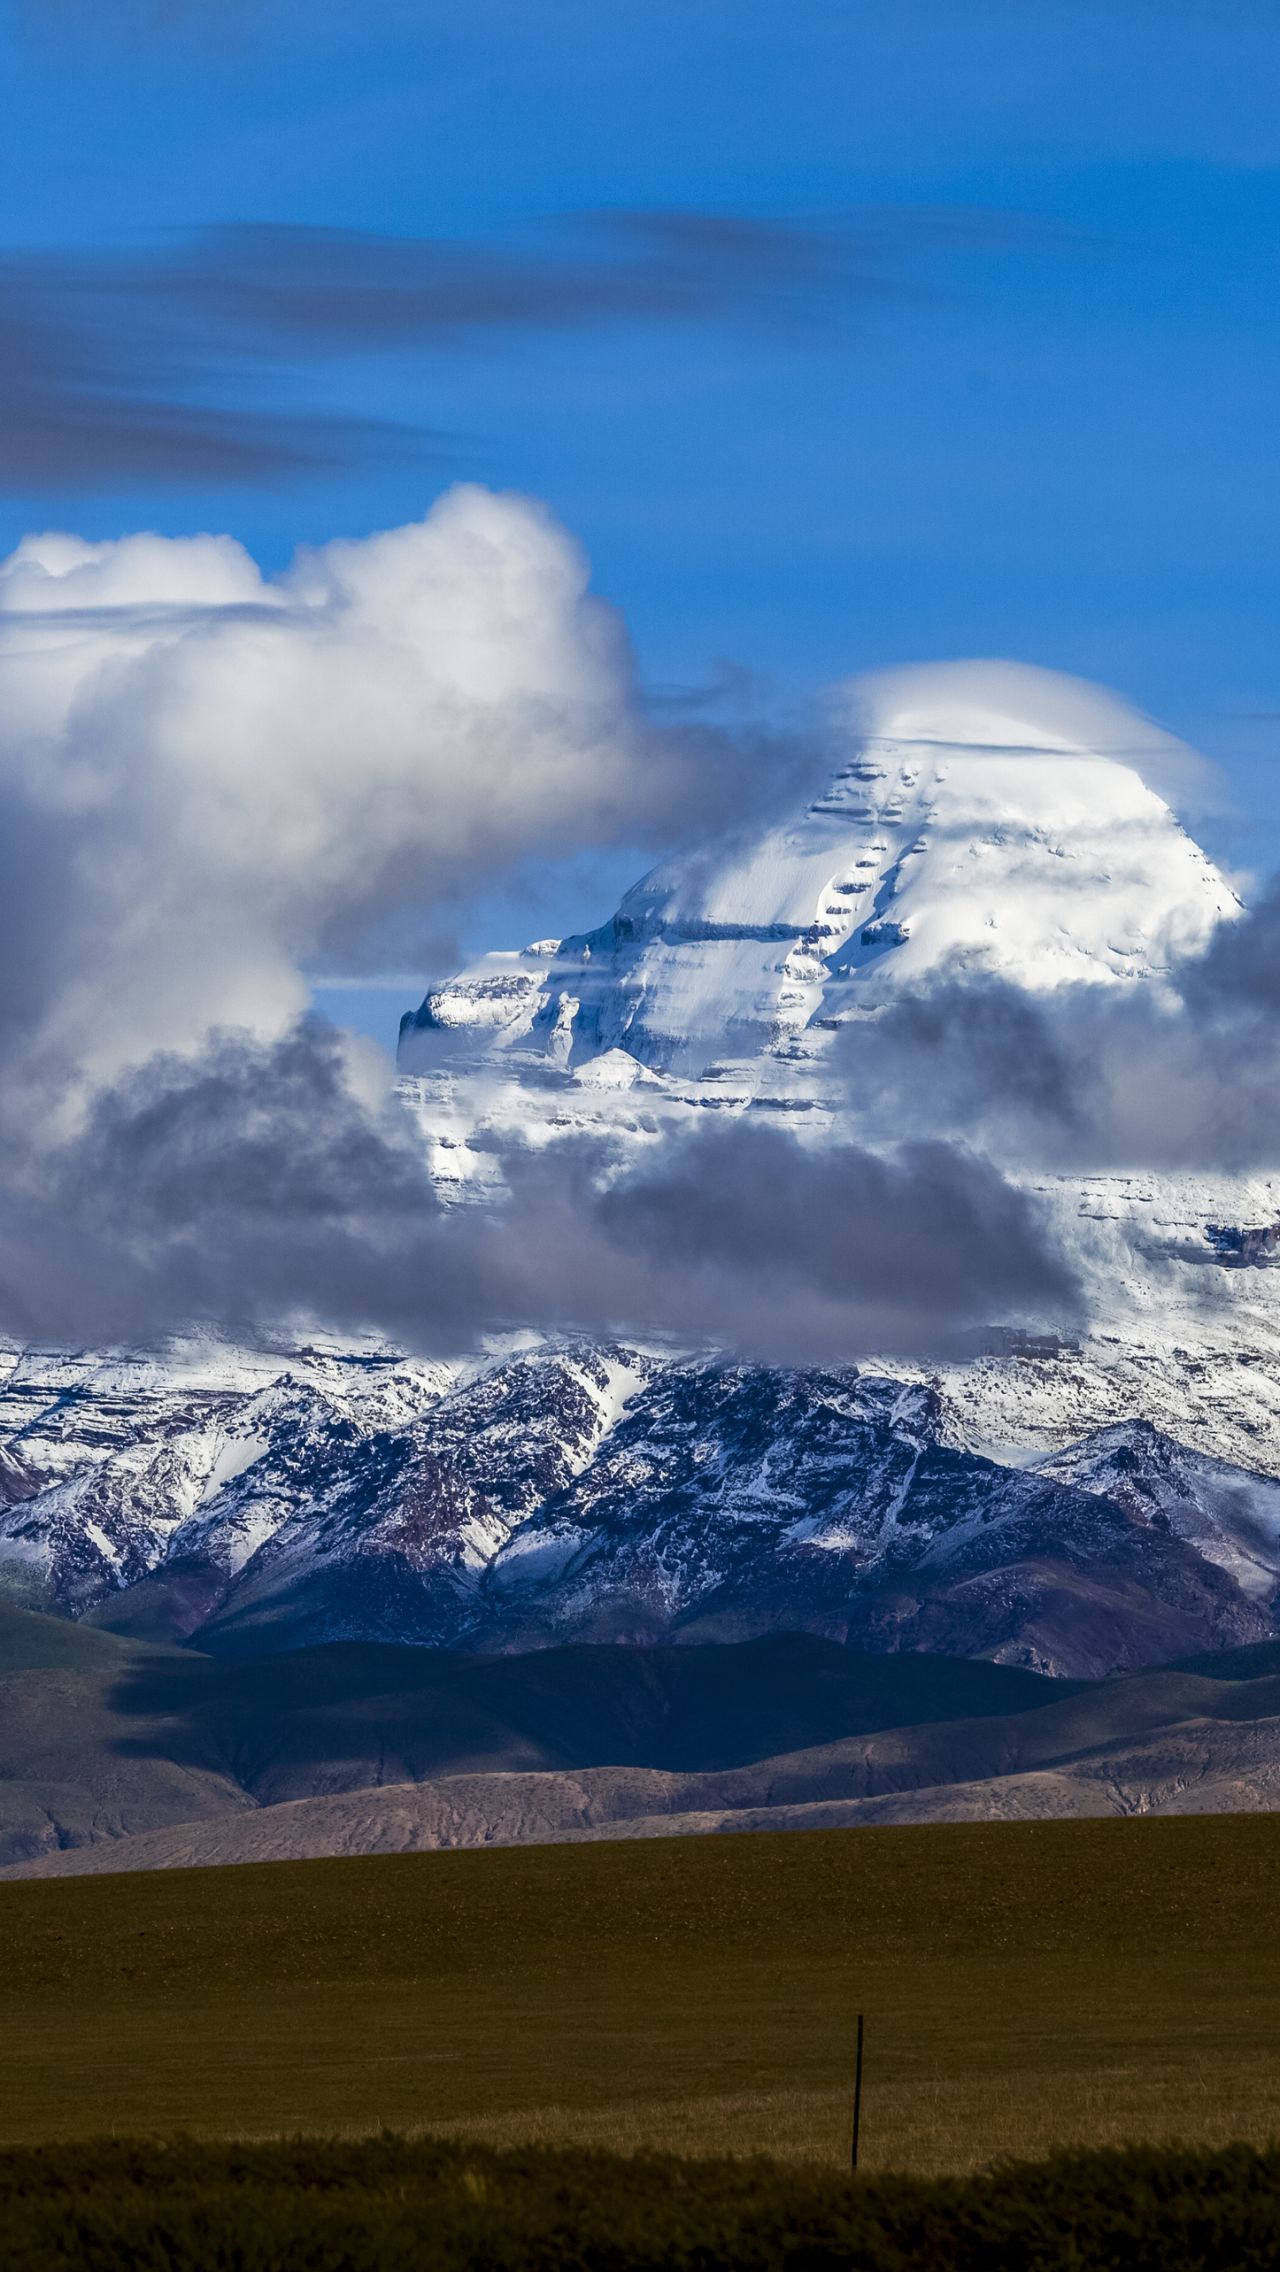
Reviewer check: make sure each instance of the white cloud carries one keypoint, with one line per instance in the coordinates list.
(995, 704)
(208, 777)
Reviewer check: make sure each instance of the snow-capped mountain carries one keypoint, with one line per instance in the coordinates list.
(963, 832)
(1074, 1505)
(603, 1493)
(985, 821)
(1230, 1516)
(186, 1458)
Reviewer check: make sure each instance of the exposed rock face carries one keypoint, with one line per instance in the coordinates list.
(16, 1480)
(611, 1494)
(1232, 1244)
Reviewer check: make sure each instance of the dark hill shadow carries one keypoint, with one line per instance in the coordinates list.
(348, 1714)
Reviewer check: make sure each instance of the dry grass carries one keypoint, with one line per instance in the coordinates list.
(932, 2126)
(1025, 1986)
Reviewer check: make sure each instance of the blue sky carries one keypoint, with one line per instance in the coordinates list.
(990, 368)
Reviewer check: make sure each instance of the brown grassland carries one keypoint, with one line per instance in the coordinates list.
(1025, 1985)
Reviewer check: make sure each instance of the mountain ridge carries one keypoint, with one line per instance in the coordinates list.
(598, 1493)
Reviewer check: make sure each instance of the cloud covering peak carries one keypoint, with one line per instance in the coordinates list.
(991, 704)
(210, 778)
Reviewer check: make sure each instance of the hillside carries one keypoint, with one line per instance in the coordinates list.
(103, 1737)
(76, 1764)
(158, 1759)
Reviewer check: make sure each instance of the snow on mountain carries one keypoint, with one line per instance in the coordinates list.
(392, 1542)
(964, 832)
(180, 1458)
(1004, 822)
(602, 1493)
(61, 1410)
(525, 1429)
(392, 1546)
(734, 1501)
(1231, 1517)
(172, 1500)
(711, 1481)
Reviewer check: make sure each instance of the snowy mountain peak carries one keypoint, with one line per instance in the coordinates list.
(985, 817)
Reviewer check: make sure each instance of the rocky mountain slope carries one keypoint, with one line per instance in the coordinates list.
(588, 1493)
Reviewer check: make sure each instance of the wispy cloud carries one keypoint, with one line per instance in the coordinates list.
(180, 363)
(105, 381)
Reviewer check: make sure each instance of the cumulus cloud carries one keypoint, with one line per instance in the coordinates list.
(208, 777)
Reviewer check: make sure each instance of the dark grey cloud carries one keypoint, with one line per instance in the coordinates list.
(1241, 970)
(255, 1189)
(896, 1252)
(249, 1185)
(1185, 1075)
(980, 1046)
(181, 364)
(100, 388)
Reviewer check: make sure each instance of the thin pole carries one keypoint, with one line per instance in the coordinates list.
(857, 2096)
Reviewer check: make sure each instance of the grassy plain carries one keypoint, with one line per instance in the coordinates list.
(1025, 1985)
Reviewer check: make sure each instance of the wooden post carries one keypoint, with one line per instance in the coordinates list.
(857, 2096)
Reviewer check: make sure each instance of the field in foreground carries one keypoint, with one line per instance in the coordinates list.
(1026, 1986)
(402, 2207)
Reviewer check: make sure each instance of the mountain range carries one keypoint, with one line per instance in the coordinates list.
(1065, 1507)
(588, 1493)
